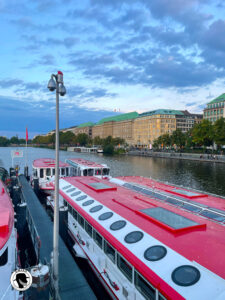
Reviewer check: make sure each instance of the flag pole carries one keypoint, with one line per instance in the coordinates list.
(26, 144)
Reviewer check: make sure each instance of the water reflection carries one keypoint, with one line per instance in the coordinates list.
(203, 176)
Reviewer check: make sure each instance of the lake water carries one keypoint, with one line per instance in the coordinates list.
(209, 177)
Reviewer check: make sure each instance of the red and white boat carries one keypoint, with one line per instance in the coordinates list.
(148, 240)
(83, 167)
(44, 171)
(8, 248)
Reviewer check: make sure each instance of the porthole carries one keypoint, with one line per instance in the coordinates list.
(96, 208)
(155, 253)
(71, 190)
(88, 202)
(185, 275)
(66, 187)
(75, 194)
(133, 237)
(81, 198)
(118, 225)
(105, 216)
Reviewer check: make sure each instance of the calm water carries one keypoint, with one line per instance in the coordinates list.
(208, 177)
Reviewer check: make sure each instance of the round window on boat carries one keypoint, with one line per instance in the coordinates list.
(96, 208)
(155, 253)
(81, 198)
(133, 237)
(75, 194)
(89, 202)
(118, 225)
(66, 187)
(71, 190)
(185, 275)
(105, 216)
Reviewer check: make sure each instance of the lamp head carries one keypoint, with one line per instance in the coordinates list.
(62, 90)
(51, 85)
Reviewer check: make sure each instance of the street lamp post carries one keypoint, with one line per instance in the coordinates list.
(56, 84)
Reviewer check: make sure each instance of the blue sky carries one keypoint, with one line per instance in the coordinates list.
(121, 55)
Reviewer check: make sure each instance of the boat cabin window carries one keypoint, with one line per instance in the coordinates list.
(98, 172)
(70, 209)
(62, 171)
(75, 214)
(85, 172)
(78, 172)
(124, 267)
(105, 171)
(81, 220)
(97, 238)
(67, 171)
(110, 251)
(53, 171)
(64, 202)
(4, 257)
(90, 172)
(88, 228)
(34, 172)
(144, 287)
(41, 173)
(48, 172)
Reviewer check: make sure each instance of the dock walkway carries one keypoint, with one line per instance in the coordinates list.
(72, 284)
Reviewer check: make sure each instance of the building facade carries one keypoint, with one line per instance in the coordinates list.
(215, 109)
(186, 120)
(84, 128)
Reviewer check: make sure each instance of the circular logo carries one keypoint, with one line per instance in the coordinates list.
(21, 280)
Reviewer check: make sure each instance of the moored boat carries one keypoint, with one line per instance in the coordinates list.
(148, 240)
(8, 247)
(44, 171)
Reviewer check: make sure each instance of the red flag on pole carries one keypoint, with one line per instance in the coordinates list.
(26, 134)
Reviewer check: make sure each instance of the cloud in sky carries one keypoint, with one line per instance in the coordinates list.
(127, 54)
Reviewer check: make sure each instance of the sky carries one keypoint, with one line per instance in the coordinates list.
(117, 56)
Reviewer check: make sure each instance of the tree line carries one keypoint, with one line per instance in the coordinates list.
(202, 135)
(4, 141)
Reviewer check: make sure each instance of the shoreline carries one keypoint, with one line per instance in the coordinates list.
(182, 156)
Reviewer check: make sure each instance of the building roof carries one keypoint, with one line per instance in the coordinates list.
(87, 124)
(221, 98)
(122, 117)
(161, 112)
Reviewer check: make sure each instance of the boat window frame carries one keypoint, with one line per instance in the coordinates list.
(119, 256)
(4, 258)
(86, 226)
(65, 202)
(48, 172)
(80, 220)
(107, 244)
(41, 172)
(67, 171)
(95, 240)
(147, 283)
(75, 214)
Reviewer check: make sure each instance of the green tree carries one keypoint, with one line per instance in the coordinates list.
(178, 138)
(166, 139)
(219, 132)
(108, 149)
(4, 141)
(82, 139)
(14, 140)
(203, 133)
(97, 140)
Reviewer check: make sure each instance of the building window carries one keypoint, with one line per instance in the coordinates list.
(110, 251)
(124, 267)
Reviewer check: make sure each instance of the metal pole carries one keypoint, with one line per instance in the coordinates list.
(56, 204)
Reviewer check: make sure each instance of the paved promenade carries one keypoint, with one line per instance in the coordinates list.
(175, 155)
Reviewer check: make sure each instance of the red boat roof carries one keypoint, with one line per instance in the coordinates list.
(85, 163)
(190, 238)
(6, 215)
(47, 163)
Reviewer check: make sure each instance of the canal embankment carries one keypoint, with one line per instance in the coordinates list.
(215, 158)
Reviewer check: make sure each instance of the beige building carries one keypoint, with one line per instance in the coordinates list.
(84, 128)
(116, 126)
(215, 109)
